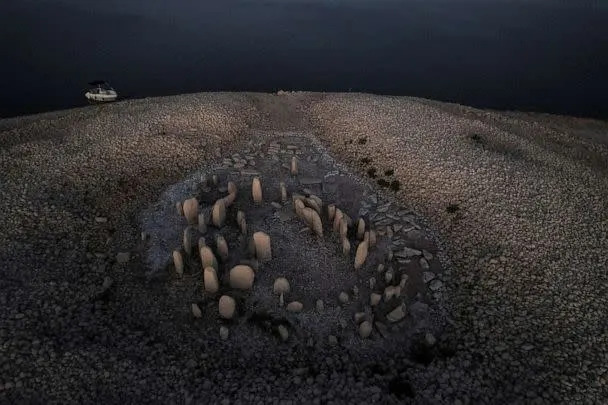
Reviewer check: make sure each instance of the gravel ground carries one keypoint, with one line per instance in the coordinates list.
(518, 200)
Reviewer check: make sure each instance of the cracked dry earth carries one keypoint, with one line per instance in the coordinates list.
(507, 210)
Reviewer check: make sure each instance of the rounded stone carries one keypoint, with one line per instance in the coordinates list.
(227, 307)
(241, 277)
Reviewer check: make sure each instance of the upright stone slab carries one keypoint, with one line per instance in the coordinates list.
(361, 255)
(210, 281)
(218, 214)
(178, 261)
(191, 208)
(222, 247)
(262, 246)
(256, 190)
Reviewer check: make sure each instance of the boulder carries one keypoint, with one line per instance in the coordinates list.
(241, 277)
(210, 281)
(226, 307)
(262, 246)
(218, 214)
(256, 190)
(191, 210)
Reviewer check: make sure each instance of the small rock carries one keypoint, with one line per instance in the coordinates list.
(396, 314)
(365, 329)
(283, 332)
(224, 332)
(196, 311)
(226, 307)
(343, 298)
(320, 306)
(295, 306)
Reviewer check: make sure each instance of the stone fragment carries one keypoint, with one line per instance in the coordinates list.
(222, 247)
(396, 314)
(380, 268)
(179, 208)
(294, 166)
(365, 329)
(281, 299)
(214, 180)
(283, 333)
(210, 281)
(144, 236)
(429, 339)
(281, 286)
(361, 255)
(320, 306)
(331, 212)
(226, 307)
(196, 311)
(403, 281)
(256, 190)
(283, 190)
(187, 240)
(191, 207)
(208, 258)
(374, 299)
(178, 261)
(343, 298)
(408, 252)
(224, 332)
(295, 306)
(241, 277)
(202, 223)
(361, 229)
(262, 246)
(219, 213)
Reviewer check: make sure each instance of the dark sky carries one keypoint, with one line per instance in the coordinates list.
(536, 55)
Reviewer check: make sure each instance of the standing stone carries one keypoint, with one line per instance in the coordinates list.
(202, 223)
(222, 247)
(219, 213)
(208, 258)
(178, 261)
(241, 277)
(360, 229)
(283, 192)
(187, 240)
(365, 329)
(316, 224)
(191, 210)
(262, 246)
(345, 247)
(196, 311)
(256, 190)
(361, 255)
(299, 207)
(210, 281)
(338, 216)
(331, 212)
(312, 203)
(294, 166)
(226, 307)
(179, 208)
